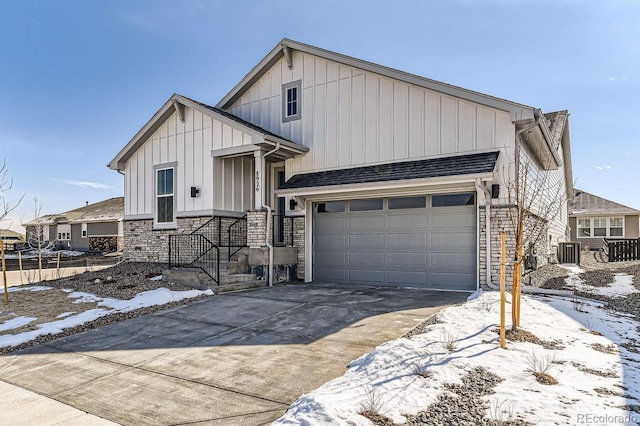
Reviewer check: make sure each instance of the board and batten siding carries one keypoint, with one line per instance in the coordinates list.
(352, 117)
(189, 146)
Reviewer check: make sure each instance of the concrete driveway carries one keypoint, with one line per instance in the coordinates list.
(239, 358)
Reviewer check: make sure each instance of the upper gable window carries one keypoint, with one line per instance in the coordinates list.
(291, 97)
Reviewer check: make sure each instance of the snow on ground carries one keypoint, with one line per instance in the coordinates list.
(46, 253)
(596, 375)
(159, 296)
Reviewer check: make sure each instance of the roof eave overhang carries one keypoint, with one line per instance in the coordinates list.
(516, 110)
(289, 149)
(538, 139)
(394, 186)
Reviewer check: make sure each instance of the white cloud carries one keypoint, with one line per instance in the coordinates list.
(95, 185)
(603, 167)
(612, 79)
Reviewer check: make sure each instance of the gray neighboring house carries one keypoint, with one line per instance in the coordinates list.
(94, 227)
(593, 218)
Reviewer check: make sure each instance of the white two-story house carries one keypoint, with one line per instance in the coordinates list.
(374, 175)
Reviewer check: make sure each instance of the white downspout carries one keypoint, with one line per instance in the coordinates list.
(487, 221)
(266, 206)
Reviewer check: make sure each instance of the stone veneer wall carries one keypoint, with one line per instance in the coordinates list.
(500, 222)
(298, 242)
(144, 244)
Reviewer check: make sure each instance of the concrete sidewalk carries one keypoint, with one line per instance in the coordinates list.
(239, 358)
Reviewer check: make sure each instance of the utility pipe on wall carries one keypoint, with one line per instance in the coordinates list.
(487, 220)
(266, 206)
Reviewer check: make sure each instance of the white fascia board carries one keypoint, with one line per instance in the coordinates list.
(516, 110)
(410, 186)
(235, 151)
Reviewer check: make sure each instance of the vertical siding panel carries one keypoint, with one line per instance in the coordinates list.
(344, 121)
(357, 120)
(182, 162)
(308, 78)
(228, 183)
(332, 124)
(227, 136)
(148, 178)
(371, 119)
(486, 128)
(135, 185)
(308, 124)
(319, 126)
(198, 173)
(385, 123)
(466, 127)
(155, 144)
(128, 199)
(431, 124)
(332, 71)
(416, 123)
(320, 74)
(265, 113)
(237, 184)
(448, 125)
(400, 139)
(236, 137)
(216, 135)
(207, 168)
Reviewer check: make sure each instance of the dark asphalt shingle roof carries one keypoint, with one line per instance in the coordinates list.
(238, 120)
(585, 203)
(419, 169)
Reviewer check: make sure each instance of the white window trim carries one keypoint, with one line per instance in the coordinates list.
(84, 232)
(591, 227)
(156, 169)
(285, 87)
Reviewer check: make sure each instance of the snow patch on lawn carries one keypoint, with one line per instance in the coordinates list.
(590, 381)
(158, 296)
(16, 323)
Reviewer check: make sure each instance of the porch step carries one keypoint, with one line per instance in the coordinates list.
(196, 278)
(244, 285)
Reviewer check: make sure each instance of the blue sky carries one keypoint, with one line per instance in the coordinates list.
(79, 78)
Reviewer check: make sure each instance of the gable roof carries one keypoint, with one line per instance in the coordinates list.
(585, 204)
(283, 49)
(173, 104)
(419, 169)
(102, 211)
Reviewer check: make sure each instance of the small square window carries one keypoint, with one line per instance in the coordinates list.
(291, 97)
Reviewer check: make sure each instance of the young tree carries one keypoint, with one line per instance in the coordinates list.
(6, 183)
(36, 234)
(537, 195)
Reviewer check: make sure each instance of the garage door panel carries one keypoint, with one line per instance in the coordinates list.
(330, 258)
(408, 241)
(451, 241)
(452, 261)
(408, 221)
(429, 247)
(360, 258)
(366, 241)
(407, 277)
(368, 222)
(331, 224)
(366, 275)
(448, 219)
(331, 242)
(407, 259)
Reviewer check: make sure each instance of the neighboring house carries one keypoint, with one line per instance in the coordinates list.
(11, 239)
(593, 218)
(387, 177)
(94, 227)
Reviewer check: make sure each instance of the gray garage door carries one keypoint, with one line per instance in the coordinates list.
(427, 241)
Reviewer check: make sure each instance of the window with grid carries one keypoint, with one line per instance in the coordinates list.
(600, 227)
(584, 227)
(291, 93)
(616, 227)
(164, 196)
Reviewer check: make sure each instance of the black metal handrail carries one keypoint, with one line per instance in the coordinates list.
(211, 229)
(195, 251)
(237, 233)
(282, 230)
